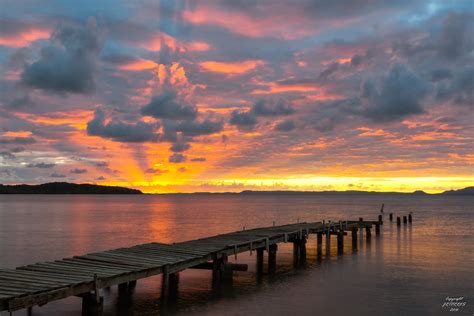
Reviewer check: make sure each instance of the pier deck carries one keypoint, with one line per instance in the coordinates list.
(41, 283)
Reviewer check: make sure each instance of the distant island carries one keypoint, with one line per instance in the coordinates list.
(465, 191)
(65, 188)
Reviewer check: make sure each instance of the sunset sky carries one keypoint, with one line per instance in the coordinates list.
(185, 96)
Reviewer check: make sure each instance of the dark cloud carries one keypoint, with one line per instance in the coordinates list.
(41, 165)
(180, 147)
(100, 178)
(18, 149)
(101, 164)
(457, 35)
(57, 175)
(399, 94)
(78, 171)
(177, 158)
(7, 155)
(17, 140)
(166, 106)
(196, 128)
(460, 89)
(198, 159)
(121, 131)
(68, 64)
(244, 120)
(285, 126)
(271, 108)
(155, 171)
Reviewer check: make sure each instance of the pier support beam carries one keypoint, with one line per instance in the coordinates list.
(368, 233)
(328, 242)
(398, 221)
(354, 238)
(272, 250)
(377, 229)
(260, 260)
(165, 281)
(390, 216)
(319, 244)
(380, 220)
(409, 218)
(404, 219)
(340, 242)
(91, 306)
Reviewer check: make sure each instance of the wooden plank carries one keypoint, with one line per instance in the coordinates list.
(118, 259)
(35, 280)
(92, 267)
(96, 264)
(63, 268)
(55, 271)
(47, 275)
(111, 260)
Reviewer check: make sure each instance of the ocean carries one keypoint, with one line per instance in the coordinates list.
(411, 270)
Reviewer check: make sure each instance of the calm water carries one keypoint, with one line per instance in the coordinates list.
(407, 271)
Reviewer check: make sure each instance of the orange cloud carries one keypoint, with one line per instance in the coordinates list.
(25, 37)
(198, 46)
(230, 67)
(139, 65)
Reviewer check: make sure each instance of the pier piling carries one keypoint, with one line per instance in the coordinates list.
(390, 216)
(404, 219)
(377, 229)
(340, 241)
(409, 218)
(398, 221)
(354, 238)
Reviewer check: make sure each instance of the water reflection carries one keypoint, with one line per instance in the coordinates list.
(409, 268)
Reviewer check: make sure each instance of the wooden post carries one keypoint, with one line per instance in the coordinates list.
(361, 219)
(381, 209)
(404, 219)
(380, 220)
(354, 238)
(260, 260)
(377, 229)
(398, 221)
(174, 285)
(328, 242)
(132, 284)
(90, 305)
(391, 216)
(368, 233)
(165, 281)
(123, 289)
(319, 242)
(272, 250)
(409, 218)
(302, 251)
(340, 241)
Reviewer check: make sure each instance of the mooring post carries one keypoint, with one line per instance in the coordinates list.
(404, 219)
(260, 260)
(340, 241)
(173, 285)
(319, 243)
(328, 241)
(380, 220)
(377, 229)
(398, 221)
(381, 209)
(354, 238)
(409, 218)
(123, 288)
(391, 216)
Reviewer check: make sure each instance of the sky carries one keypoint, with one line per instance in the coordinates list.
(187, 96)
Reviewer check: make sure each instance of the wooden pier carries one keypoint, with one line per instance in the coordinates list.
(84, 276)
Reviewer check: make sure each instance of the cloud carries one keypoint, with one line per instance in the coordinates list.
(120, 131)
(155, 171)
(177, 158)
(78, 171)
(271, 108)
(399, 95)
(68, 64)
(165, 106)
(457, 35)
(17, 34)
(41, 165)
(198, 159)
(233, 68)
(179, 147)
(17, 140)
(285, 126)
(244, 120)
(196, 128)
(100, 178)
(101, 164)
(57, 175)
